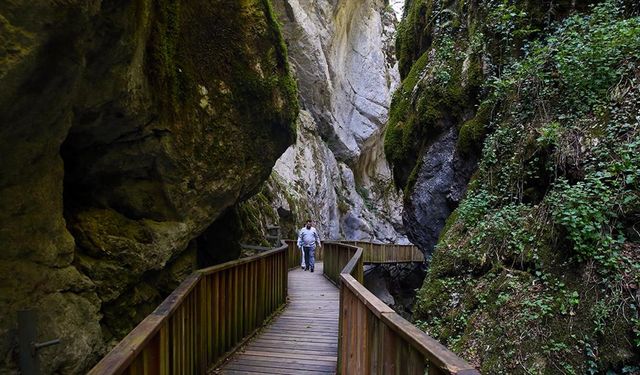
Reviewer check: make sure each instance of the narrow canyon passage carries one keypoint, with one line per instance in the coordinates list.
(145, 143)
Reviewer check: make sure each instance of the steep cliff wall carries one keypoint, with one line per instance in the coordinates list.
(337, 174)
(446, 51)
(536, 104)
(128, 127)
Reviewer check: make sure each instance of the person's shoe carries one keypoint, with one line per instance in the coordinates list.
(312, 270)
(306, 268)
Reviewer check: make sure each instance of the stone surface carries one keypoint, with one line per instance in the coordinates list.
(309, 182)
(440, 185)
(360, 77)
(396, 285)
(337, 173)
(128, 128)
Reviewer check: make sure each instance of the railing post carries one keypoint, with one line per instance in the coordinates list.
(285, 277)
(340, 333)
(27, 346)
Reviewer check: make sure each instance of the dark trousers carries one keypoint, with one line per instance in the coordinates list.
(309, 256)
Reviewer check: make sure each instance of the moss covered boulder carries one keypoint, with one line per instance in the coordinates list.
(127, 129)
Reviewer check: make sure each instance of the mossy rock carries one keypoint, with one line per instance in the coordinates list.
(531, 297)
(473, 132)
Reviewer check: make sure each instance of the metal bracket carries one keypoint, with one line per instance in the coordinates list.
(27, 346)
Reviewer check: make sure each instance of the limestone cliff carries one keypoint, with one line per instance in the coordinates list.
(128, 127)
(337, 174)
(515, 136)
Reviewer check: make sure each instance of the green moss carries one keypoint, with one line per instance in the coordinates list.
(165, 71)
(250, 73)
(411, 180)
(448, 224)
(399, 111)
(473, 131)
(412, 37)
(537, 285)
(417, 69)
(343, 207)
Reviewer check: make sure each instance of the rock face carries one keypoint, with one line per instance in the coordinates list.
(127, 129)
(396, 285)
(337, 174)
(440, 185)
(539, 250)
(444, 62)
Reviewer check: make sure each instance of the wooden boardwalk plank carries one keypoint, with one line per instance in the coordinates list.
(303, 339)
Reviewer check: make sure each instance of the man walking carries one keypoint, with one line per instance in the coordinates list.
(307, 240)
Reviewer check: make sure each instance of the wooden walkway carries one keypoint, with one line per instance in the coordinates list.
(303, 339)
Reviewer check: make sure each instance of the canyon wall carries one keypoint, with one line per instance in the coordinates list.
(342, 54)
(514, 135)
(128, 127)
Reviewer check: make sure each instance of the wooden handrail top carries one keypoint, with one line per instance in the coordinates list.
(237, 262)
(429, 347)
(125, 352)
(374, 304)
(173, 300)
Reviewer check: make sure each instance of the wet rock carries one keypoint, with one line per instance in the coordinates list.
(440, 185)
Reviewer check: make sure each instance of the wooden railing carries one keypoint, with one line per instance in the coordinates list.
(373, 254)
(210, 314)
(387, 253)
(335, 255)
(374, 339)
(294, 255)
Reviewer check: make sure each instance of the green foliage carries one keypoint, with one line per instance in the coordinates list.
(537, 270)
(473, 131)
(510, 25)
(586, 211)
(587, 52)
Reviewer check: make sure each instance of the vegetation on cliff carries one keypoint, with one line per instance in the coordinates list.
(538, 269)
(446, 50)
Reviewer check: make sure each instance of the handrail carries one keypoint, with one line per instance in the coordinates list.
(372, 337)
(336, 254)
(387, 253)
(211, 313)
(373, 253)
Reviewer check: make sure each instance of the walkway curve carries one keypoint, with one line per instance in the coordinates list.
(303, 339)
